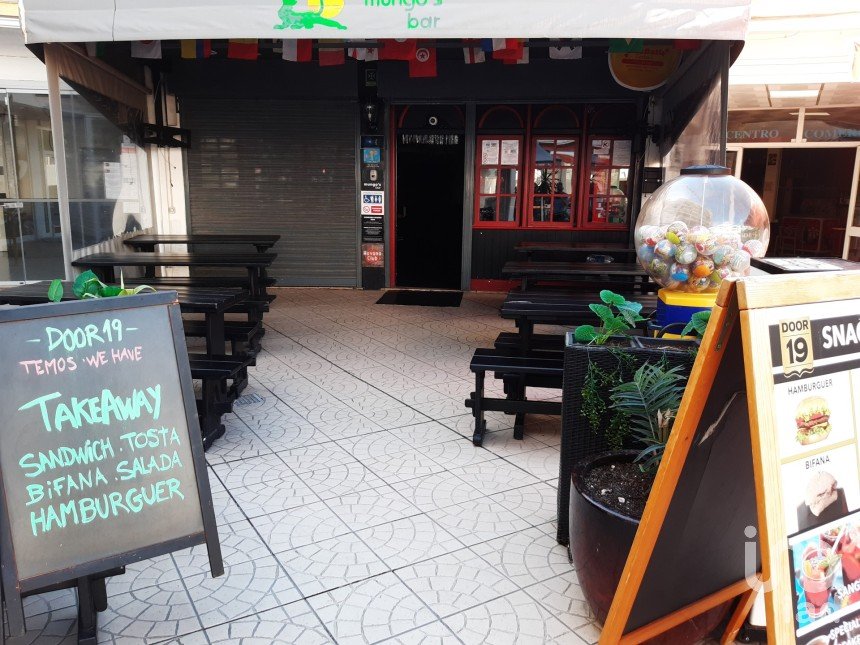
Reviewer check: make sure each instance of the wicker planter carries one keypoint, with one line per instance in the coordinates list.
(600, 542)
(578, 440)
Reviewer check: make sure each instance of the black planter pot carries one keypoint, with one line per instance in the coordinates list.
(600, 542)
(578, 440)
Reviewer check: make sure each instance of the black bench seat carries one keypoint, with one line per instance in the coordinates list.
(244, 337)
(217, 397)
(198, 281)
(538, 342)
(519, 372)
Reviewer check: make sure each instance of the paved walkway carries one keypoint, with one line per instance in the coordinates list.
(352, 506)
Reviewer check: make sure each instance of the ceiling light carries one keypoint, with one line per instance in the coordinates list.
(793, 94)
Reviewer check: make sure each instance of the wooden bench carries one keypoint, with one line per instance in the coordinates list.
(539, 342)
(199, 281)
(518, 373)
(217, 396)
(244, 337)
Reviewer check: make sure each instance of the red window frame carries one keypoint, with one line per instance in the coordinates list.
(498, 167)
(552, 195)
(604, 187)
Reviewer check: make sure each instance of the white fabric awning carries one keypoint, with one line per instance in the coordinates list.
(108, 20)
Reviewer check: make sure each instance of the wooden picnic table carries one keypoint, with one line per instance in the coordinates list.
(104, 264)
(148, 242)
(617, 274)
(528, 309)
(614, 249)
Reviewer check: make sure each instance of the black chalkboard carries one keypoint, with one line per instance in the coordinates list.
(704, 544)
(100, 450)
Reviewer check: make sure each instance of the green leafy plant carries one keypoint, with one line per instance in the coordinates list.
(698, 324)
(88, 285)
(617, 316)
(596, 388)
(650, 402)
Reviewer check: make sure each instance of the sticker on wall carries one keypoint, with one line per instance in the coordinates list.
(645, 70)
(371, 155)
(373, 256)
(372, 202)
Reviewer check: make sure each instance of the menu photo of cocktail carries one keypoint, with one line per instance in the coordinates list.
(814, 413)
(826, 566)
(820, 488)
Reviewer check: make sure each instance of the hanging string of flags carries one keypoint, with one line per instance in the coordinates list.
(421, 55)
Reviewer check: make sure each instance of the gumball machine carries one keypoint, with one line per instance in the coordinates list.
(694, 232)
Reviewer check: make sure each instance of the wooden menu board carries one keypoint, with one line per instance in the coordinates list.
(100, 450)
(769, 422)
(803, 367)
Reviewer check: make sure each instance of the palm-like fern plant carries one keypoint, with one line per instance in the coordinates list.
(650, 402)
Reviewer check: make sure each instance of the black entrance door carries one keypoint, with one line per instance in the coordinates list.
(429, 210)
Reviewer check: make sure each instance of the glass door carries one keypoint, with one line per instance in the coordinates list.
(851, 250)
(30, 236)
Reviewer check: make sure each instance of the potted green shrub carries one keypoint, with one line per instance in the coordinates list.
(609, 490)
(596, 359)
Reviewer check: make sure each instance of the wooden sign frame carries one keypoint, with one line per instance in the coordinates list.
(747, 303)
(15, 588)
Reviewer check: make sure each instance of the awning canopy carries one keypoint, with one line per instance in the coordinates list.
(116, 20)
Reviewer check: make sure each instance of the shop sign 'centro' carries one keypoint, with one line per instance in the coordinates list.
(105, 20)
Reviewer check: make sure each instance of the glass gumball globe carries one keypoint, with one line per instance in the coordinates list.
(701, 228)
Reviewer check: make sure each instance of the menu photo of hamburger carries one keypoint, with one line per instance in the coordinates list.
(813, 420)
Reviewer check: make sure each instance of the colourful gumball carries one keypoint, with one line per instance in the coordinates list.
(740, 262)
(719, 275)
(673, 237)
(698, 234)
(702, 268)
(723, 255)
(665, 250)
(708, 246)
(699, 284)
(644, 232)
(679, 272)
(645, 253)
(658, 269)
(755, 248)
(685, 254)
(679, 229)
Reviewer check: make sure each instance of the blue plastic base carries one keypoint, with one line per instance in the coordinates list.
(670, 314)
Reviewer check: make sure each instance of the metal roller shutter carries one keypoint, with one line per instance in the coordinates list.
(284, 167)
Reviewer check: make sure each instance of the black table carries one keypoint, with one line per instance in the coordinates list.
(528, 309)
(611, 274)
(616, 250)
(213, 303)
(254, 263)
(148, 242)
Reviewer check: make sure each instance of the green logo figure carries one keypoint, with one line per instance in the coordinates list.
(292, 19)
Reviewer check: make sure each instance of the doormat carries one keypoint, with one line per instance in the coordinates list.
(422, 298)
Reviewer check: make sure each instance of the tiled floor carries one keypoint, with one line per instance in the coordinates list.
(352, 506)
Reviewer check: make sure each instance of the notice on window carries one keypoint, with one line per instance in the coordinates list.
(490, 153)
(113, 179)
(621, 153)
(128, 161)
(511, 153)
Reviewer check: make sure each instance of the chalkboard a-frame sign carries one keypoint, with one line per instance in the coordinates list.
(100, 449)
(759, 488)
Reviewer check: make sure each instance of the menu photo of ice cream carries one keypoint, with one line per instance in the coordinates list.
(814, 413)
(820, 488)
(826, 567)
